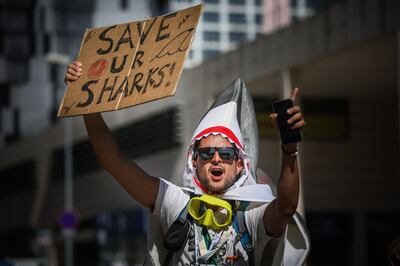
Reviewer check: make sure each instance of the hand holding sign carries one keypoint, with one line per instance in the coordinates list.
(74, 71)
(128, 64)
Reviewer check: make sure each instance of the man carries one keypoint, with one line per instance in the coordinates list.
(221, 162)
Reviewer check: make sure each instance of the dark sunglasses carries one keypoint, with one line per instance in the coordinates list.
(225, 153)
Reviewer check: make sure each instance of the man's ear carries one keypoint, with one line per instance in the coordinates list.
(194, 163)
(239, 166)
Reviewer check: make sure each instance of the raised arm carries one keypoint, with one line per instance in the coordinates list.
(280, 210)
(141, 186)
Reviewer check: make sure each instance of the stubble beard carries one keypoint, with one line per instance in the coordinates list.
(208, 184)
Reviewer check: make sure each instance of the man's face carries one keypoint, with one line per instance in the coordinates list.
(216, 174)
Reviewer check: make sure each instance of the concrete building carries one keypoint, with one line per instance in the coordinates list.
(346, 62)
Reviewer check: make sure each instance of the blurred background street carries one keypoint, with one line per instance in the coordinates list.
(58, 207)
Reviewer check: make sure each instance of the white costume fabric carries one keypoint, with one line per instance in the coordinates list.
(232, 116)
(171, 200)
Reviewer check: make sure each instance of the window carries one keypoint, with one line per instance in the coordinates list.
(17, 126)
(42, 18)
(46, 43)
(211, 35)
(237, 18)
(327, 119)
(211, 17)
(211, 1)
(208, 53)
(237, 2)
(124, 4)
(32, 43)
(237, 36)
(318, 4)
(259, 19)
(5, 89)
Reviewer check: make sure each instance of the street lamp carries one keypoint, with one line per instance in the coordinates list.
(68, 219)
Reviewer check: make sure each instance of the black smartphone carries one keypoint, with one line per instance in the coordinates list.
(288, 135)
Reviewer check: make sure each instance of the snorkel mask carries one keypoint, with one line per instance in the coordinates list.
(210, 211)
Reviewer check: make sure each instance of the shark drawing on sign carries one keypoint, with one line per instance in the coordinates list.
(179, 43)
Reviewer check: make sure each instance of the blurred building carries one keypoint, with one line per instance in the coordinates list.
(34, 33)
(344, 59)
(278, 14)
(223, 25)
(37, 40)
(30, 33)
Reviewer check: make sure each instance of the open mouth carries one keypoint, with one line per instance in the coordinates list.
(217, 172)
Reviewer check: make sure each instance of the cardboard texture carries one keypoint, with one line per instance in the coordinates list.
(128, 64)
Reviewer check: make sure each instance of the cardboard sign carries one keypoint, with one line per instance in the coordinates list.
(129, 64)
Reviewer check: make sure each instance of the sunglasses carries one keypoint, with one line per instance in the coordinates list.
(225, 153)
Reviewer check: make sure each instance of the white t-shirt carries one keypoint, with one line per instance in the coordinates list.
(171, 200)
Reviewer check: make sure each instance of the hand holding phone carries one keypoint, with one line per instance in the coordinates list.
(288, 135)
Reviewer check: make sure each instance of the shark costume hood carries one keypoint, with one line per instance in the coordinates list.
(232, 116)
